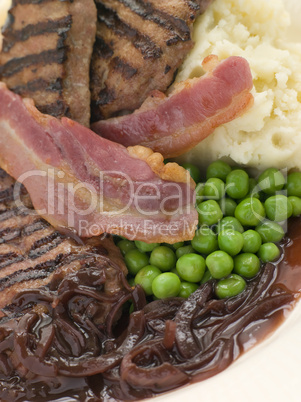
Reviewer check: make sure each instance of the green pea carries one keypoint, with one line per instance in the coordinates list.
(125, 246)
(145, 247)
(246, 265)
(293, 185)
(163, 257)
(145, 278)
(253, 188)
(209, 212)
(191, 267)
(207, 276)
(230, 222)
(227, 206)
(270, 232)
(205, 241)
(268, 252)
(230, 287)
(193, 170)
(230, 241)
(237, 184)
(131, 281)
(218, 169)
(250, 212)
(184, 250)
(166, 285)
(214, 189)
(135, 260)
(278, 208)
(187, 288)
(220, 264)
(271, 180)
(252, 241)
(175, 246)
(174, 271)
(199, 192)
(296, 204)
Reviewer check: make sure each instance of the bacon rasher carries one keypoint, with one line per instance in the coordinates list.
(79, 180)
(176, 123)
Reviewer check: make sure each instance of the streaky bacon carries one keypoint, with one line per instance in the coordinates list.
(174, 124)
(79, 180)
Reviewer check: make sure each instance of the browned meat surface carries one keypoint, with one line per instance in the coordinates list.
(139, 46)
(46, 54)
(33, 253)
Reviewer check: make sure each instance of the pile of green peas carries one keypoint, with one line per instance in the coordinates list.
(241, 221)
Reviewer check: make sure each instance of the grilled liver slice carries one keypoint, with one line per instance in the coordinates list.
(46, 54)
(32, 251)
(139, 46)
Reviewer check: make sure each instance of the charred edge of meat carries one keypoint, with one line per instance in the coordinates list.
(175, 26)
(12, 37)
(142, 42)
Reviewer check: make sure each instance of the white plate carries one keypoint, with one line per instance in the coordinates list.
(271, 371)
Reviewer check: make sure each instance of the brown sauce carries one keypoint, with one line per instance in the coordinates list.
(165, 345)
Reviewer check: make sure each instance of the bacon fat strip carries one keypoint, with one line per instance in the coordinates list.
(79, 180)
(174, 124)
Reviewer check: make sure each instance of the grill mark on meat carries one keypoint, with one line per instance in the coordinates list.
(34, 227)
(194, 5)
(150, 36)
(102, 49)
(39, 84)
(45, 244)
(106, 96)
(40, 247)
(40, 271)
(32, 251)
(142, 42)
(9, 213)
(47, 58)
(61, 26)
(22, 2)
(126, 70)
(18, 64)
(175, 26)
(58, 108)
(11, 233)
(7, 194)
(9, 259)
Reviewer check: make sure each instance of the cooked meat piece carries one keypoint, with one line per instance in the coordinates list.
(172, 125)
(46, 54)
(139, 46)
(97, 185)
(33, 253)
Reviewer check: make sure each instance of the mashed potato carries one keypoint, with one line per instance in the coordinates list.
(269, 134)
